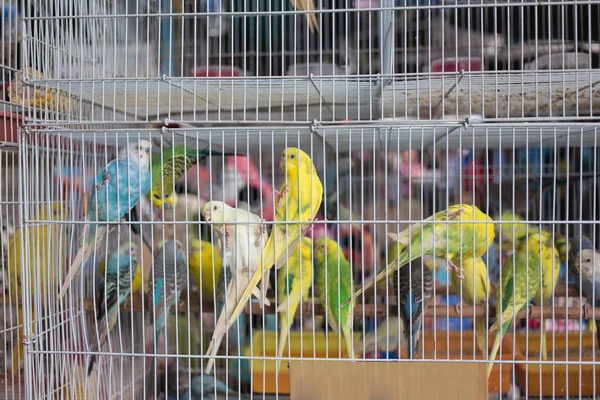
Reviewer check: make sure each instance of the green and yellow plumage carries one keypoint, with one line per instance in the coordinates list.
(293, 283)
(440, 239)
(511, 231)
(335, 284)
(170, 165)
(520, 282)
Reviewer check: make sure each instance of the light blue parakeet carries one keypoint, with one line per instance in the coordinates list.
(116, 191)
(169, 277)
(113, 292)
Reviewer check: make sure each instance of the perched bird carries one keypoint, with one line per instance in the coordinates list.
(293, 283)
(117, 190)
(335, 284)
(121, 267)
(47, 252)
(583, 273)
(205, 267)
(307, 5)
(414, 288)
(550, 273)
(138, 284)
(520, 282)
(475, 290)
(242, 244)
(169, 276)
(447, 240)
(298, 200)
(170, 165)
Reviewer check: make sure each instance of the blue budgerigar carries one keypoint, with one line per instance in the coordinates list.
(116, 191)
(169, 277)
(114, 290)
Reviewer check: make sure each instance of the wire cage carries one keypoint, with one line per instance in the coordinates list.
(405, 108)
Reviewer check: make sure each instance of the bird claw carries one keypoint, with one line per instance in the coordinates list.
(454, 214)
(458, 308)
(280, 195)
(452, 267)
(310, 226)
(529, 310)
(586, 311)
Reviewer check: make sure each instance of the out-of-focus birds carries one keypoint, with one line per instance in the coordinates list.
(298, 200)
(293, 283)
(47, 252)
(187, 209)
(335, 286)
(414, 288)
(121, 267)
(170, 165)
(6, 231)
(42, 96)
(512, 231)
(448, 240)
(550, 273)
(242, 237)
(307, 5)
(520, 282)
(169, 276)
(116, 191)
(475, 291)
(388, 333)
(205, 267)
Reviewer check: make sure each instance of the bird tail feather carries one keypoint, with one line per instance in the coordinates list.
(220, 327)
(493, 353)
(284, 326)
(347, 333)
(543, 341)
(481, 334)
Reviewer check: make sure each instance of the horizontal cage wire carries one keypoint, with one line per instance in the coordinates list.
(422, 174)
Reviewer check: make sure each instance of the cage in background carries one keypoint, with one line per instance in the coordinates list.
(405, 108)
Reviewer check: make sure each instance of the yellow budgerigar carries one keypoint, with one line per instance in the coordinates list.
(550, 273)
(475, 290)
(47, 255)
(293, 283)
(205, 266)
(299, 199)
(461, 230)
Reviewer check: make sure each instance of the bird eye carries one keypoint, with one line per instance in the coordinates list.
(156, 196)
(292, 156)
(215, 208)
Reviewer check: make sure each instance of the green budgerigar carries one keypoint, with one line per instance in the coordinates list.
(170, 165)
(293, 283)
(520, 282)
(335, 285)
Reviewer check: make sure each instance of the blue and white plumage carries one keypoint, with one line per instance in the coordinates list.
(113, 292)
(169, 277)
(117, 190)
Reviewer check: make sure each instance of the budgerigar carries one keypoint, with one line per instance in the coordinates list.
(448, 240)
(121, 267)
(307, 5)
(293, 283)
(298, 200)
(520, 282)
(550, 272)
(139, 282)
(169, 277)
(205, 267)
(414, 288)
(170, 165)
(586, 270)
(335, 286)
(242, 246)
(47, 252)
(117, 190)
(514, 230)
(475, 290)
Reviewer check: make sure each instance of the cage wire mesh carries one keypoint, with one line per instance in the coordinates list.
(404, 108)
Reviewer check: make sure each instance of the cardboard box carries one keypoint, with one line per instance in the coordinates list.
(358, 380)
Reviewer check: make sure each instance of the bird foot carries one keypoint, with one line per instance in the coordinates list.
(529, 310)
(226, 236)
(261, 231)
(458, 307)
(586, 311)
(452, 267)
(280, 195)
(310, 226)
(454, 214)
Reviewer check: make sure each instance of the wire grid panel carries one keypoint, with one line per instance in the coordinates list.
(230, 61)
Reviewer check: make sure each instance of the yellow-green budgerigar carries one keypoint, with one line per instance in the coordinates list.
(335, 286)
(298, 200)
(550, 273)
(205, 267)
(520, 282)
(475, 290)
(293, 283)
(443, 235)
(47, 253)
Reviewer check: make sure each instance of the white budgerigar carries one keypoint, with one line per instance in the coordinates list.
(242, 246)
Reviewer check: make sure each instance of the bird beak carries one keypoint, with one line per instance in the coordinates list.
(207, 215)
(282, 163)
(166, 205)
